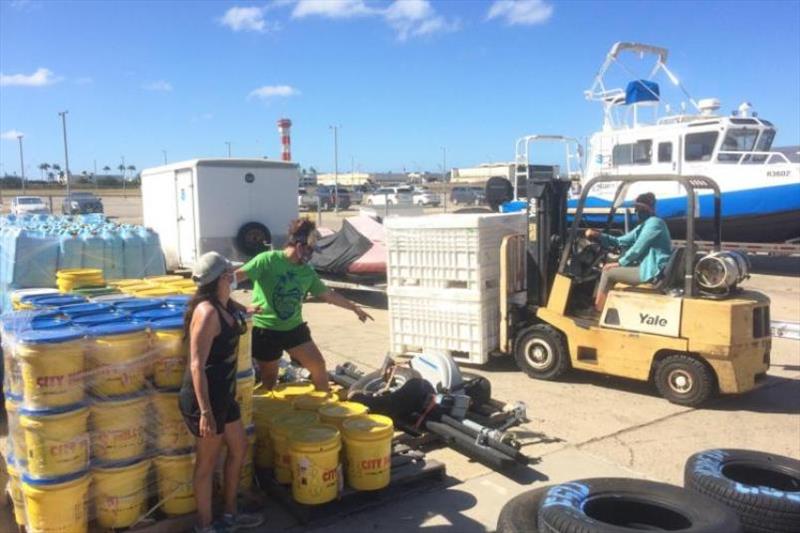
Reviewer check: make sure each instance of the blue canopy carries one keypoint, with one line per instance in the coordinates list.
(642, 91)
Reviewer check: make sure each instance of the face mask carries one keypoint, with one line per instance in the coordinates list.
(234, 283)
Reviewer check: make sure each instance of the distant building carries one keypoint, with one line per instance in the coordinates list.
(481, 173)
(352, 179)
(307, 180)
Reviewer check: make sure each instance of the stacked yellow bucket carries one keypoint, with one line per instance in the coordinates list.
(76, 278)
(155, 286)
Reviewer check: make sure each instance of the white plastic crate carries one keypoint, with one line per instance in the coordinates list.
(462, 323)
(448, 251)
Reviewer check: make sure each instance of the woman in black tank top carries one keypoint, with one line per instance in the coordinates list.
(213, 324)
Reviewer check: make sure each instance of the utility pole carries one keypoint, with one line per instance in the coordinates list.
(124, 181)
(229, 148)
(165, 156)
(335, 168)
(21, 162)
(63, 115)
(444, 176)
(94, 176)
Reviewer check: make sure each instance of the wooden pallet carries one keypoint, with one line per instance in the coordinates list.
(408, 473)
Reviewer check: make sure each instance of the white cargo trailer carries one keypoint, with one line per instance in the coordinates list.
(231, 206)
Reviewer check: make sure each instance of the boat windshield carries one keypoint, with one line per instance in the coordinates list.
(765, 141)
(737, 140)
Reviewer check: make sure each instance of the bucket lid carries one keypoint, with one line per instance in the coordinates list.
(138, 304)
(78, 272)
(167, 390)
(34, 297)
(171, 455)
(156, 314)
(287, 390)
(178, 300)
(315, 435)
(313, 400)
(173, 322)
(116, 328)
(244, 374)
(102, 318)
(294, 419)
(18, 320)
(52, 411)
(59, 301)
(76, 310)
(138, 395)
(58, 480)
(368, 427)
(343, 409)
(141, 460)
(51, 336)
(112, 299)
(50, 323)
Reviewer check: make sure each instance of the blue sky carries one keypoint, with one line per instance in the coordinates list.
(402, 79)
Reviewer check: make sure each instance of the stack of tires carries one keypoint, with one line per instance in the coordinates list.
(725, 491)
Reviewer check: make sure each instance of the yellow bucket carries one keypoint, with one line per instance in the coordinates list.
(119, 356)
(15, 490)
(52, 367)
(57, 506)
(13, 376)
(134, 289)
(119, 428)
(368, 447)
(289, 391)
(15, 431)
(183, 283)
(248, 470)
(245, 382)
(316, 473)
(57, 441)
(169, 278)
(17, 295)
(155, 292)
(120, 283)
(313, 401)
(339, 392)
(75, 278)
(174, 474)
(189, 291)
(120, 494)
(280, 428)
(335, 414)
(244, 360)
(171, 357)
(265, 408)
(170, 429)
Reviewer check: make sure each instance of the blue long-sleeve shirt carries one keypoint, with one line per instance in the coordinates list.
(649, 245)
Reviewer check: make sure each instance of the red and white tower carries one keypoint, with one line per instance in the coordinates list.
(284, 128)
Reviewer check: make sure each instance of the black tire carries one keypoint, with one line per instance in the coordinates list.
(762, 488)
(253, 238)
(520, 514)
(478, 388)
(684, 380)
(617, 505)
(541, 352)
(406, 396)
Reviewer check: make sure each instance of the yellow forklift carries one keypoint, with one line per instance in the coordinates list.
(693, 333)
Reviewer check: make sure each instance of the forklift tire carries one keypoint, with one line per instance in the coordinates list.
(684, 380)
(760, 487)
(520, 514)
(540, 352)
(253, 238)
(617, 505)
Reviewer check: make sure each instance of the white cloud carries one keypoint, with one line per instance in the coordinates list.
(335, 9)
(412, 18)
(40, 78)
(273, 91)
(520, 12)
(10, 135)
(244, 19)
(158, 85)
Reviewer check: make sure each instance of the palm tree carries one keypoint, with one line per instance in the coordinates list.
(131, 169)
(121, 169)
(44, 167)
(56, 169)
(106, 168)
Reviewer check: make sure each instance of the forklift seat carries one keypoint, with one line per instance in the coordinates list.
(672, 275)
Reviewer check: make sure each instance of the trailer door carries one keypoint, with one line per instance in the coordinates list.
(184, 196)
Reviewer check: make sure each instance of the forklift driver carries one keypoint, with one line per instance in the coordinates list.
(646, 250)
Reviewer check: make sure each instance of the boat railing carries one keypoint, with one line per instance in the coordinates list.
(751, 158)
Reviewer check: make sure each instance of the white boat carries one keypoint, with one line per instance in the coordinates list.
(642, 134)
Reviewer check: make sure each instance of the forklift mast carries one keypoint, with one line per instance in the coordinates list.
(548, 194)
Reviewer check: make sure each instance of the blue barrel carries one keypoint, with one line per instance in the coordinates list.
(153, 255)
(138, 304)
(58, 301)
(152, 315)
(70, 251)
(177, 301)
(113, 255)
(76, 310)
(35, 260)
(133, 253)
(93, 250)
(102, 318)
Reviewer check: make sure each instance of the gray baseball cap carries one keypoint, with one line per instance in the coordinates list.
(209, 267)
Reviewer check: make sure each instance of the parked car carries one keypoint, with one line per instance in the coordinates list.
(391, 196)
(357, 194)
(423, 196)
(81, 203)
(467, 195)
(29, 205)
(306, 201)
(328, 198)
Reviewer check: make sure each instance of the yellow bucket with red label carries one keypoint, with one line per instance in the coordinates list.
(170, 430)
(56, 440)
(281, 426)
(316, 472)
(368, 448)
(59, 505)
(119, 356)
(174, 475)
(120, 493)
(119, 427)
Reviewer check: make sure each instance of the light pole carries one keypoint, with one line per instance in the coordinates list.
(124, 181)
(229, 148)
(335, 168)
(165, 156)
(444, 175)
(63, 115)
(21, 162)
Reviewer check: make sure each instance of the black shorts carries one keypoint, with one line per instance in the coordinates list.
(269, 344)
(226, 414)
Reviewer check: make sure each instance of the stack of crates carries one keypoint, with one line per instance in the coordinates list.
(444, 283)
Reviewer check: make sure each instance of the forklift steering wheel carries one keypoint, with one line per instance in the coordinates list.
(587, 256)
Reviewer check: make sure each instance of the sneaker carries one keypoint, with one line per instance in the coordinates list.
(239, 521)
(215, 527)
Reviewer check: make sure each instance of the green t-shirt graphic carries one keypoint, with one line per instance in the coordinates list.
(279, 288)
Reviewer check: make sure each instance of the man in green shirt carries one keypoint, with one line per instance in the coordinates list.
(281, 280)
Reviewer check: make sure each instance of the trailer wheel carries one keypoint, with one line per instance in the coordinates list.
(540, 352)
(760, 487)
(616, 505)
(520, 514)
(253, 238)
(684, 380)
(406, 394)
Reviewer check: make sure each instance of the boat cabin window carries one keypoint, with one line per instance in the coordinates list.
(765, 141)
(737, 140)
(699, 146)
(638, 153)
(665, 152)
